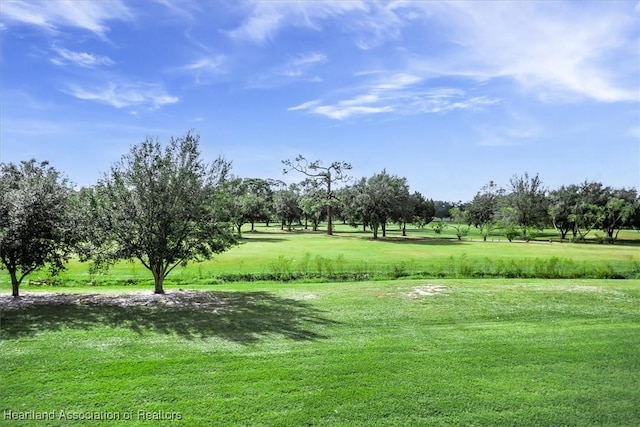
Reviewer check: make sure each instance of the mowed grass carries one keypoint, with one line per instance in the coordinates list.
(271, 250)
(437, 353)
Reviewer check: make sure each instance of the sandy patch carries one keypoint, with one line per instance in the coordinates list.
(426, 291)
(192, 299)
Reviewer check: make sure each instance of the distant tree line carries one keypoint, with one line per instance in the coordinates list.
(165, 207)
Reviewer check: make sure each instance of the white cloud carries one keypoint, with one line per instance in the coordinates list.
(297, 68)
(307, 59)
(397, 93)
(182, 9)
(204, 68)
(552, 49)
(82, 59)
(304, 106)
(369, 24)
(50, 15)
(343, 110)
(124, 95)
(205, 64)
(266, 19)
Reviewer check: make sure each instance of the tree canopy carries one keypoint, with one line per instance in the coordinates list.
(326, 175)
(36, 225)
(163, 207)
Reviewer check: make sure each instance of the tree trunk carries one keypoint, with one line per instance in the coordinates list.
(158, 278)
(15, 284)
(329, 222)
(384, 229)
(240, 231)
(404, 229)
(252, 227)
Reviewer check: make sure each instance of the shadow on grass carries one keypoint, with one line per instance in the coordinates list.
(242, 317)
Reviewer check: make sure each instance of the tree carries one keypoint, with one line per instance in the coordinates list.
(247, 202)
(484, 208)
(286, 204)
(273, 185)
(442, 209)
(36, 223)
(562, 205)
(618, 212)
(163, 207)
(351, 208)
(312, 202)
(588, 212)
(382, 200)
(529, 201)
(326, 175)
(460, 222)
(508, 221)
(425, 210)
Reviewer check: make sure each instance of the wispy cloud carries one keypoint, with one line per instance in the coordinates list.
(266, 19)
(183, 9)
(82, 59)
(555, 51)
(398, 93)
(51, 15)
(124, 95)
(367, 23)
(296, 68)
(204, 68)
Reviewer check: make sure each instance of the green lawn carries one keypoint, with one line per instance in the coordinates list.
(476, 352)
(421, 254)
(428, 351)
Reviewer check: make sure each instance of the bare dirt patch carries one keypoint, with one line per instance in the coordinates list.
(179, 299)
(426, 291)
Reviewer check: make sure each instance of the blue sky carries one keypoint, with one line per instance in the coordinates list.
(449, 95)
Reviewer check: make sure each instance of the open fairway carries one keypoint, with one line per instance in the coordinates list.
(350, 254)
(446, 352)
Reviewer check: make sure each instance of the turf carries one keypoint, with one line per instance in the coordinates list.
(448, 352)
(421, 253)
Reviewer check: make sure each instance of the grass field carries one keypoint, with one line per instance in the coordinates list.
(270, 253)
(369, 353)
(433, 352)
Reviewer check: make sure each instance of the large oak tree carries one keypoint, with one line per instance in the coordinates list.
(163, 207)
(36, 224)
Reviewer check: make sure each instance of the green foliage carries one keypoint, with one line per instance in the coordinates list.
(286, 205)
(320, 176)
(438, 227)
(163, 207)
(460, 222)
(38, 222)
(528, 202)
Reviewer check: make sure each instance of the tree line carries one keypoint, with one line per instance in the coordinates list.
(166, 207)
